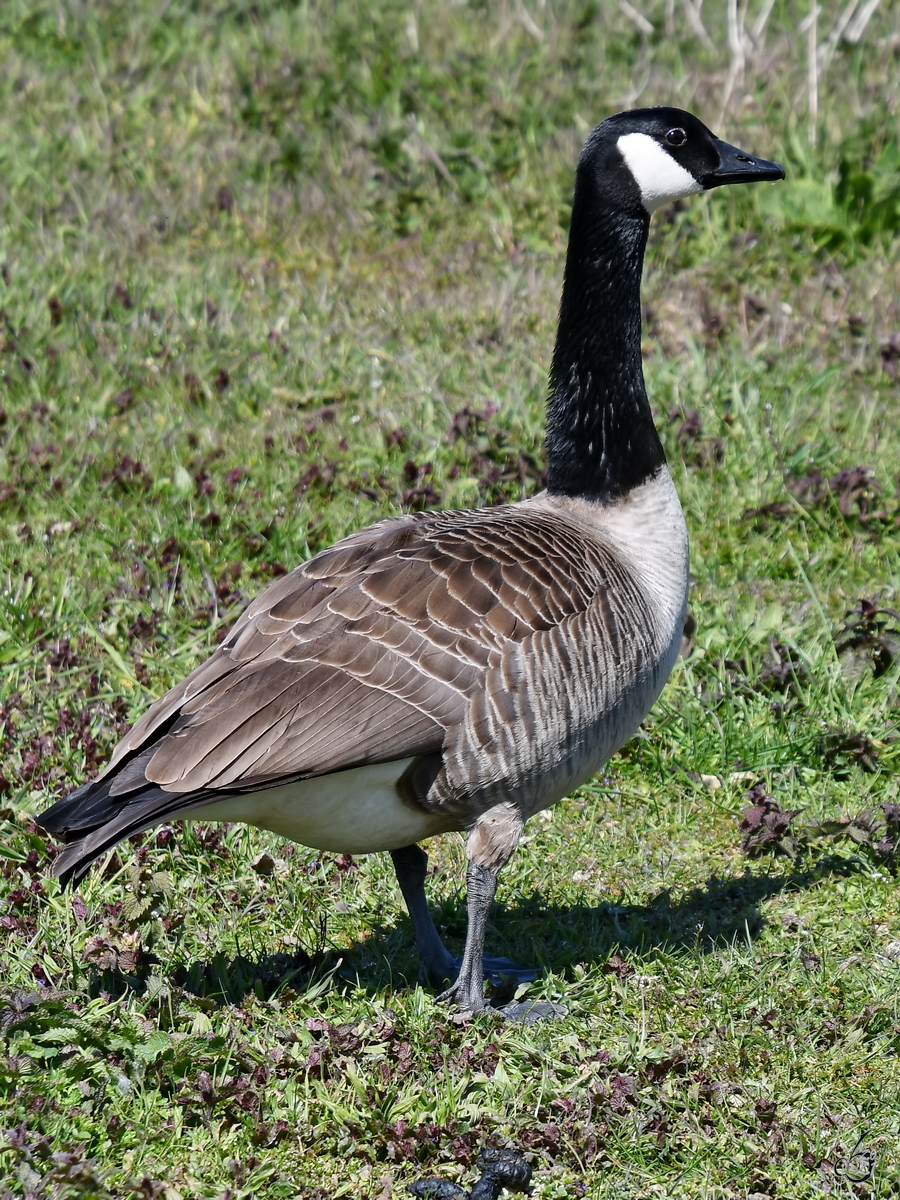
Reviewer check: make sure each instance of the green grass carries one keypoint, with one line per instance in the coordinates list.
(273, 271)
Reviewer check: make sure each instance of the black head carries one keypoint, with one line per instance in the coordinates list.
(638, 160)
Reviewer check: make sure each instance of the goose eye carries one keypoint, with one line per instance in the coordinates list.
(676, 137)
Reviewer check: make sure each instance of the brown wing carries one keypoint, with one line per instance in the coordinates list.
(369, 652)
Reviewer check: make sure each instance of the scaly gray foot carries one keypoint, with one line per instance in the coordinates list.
(504, 976)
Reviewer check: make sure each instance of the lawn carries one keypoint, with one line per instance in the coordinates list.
(273, 271)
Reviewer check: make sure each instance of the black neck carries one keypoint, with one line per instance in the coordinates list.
(601, 441)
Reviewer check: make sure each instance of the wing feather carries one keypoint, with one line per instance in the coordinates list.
(380, 648)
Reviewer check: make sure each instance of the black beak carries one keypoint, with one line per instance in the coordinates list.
(737, 167)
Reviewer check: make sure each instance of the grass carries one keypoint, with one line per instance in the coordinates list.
(271, 272)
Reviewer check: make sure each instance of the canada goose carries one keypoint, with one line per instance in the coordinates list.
(456, 670)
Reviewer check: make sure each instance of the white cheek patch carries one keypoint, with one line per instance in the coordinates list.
(656, 173)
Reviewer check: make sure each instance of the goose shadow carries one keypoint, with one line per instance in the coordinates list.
(557, 937)
(550, 937)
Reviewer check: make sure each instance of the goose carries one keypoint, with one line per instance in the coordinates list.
(456, 670)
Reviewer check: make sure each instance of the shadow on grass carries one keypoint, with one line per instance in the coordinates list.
(552, 937)
(228, 980)
(555, 937)
(707, 918)
(222, 979)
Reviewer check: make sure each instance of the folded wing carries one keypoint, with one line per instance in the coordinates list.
(372, 651)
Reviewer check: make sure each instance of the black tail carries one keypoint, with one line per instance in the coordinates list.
(92, 819)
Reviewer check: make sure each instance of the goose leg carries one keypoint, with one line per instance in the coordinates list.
(489, 847)
(410, 866)
(467, 991)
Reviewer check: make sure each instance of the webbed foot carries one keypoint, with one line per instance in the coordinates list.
(504, 976)
(529, 1012)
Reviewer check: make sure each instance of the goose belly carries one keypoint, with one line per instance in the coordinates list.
(359, 811)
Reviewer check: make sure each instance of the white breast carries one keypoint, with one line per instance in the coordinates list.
(646, 530)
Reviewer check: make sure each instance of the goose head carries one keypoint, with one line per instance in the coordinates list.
(638, 160)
